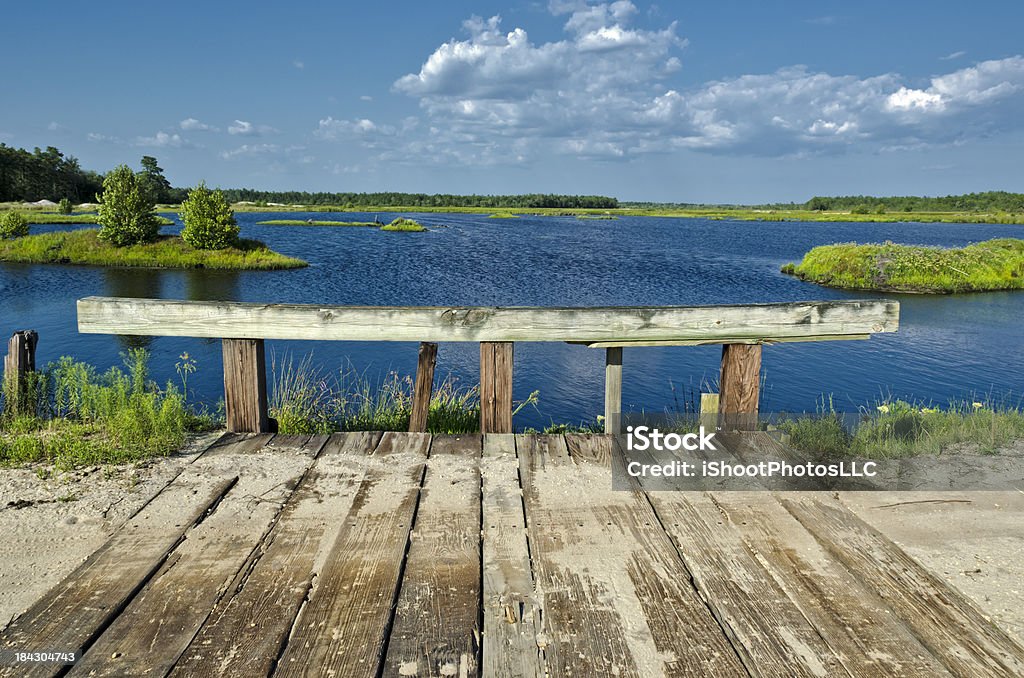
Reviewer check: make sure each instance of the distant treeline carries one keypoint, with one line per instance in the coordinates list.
(50, 175)
(990, 201)
(420, 199)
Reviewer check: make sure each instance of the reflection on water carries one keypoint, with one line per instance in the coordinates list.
(947, 347)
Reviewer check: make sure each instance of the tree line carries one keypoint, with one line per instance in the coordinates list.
(28, 176)
(989, 201)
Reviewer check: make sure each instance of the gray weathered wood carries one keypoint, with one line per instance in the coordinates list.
(423, 387)
(73, 613)
(157, 626)
(512, 613)
(613, 390)
(436, 628)
(943, 619)
(740, 385)
(19, 362)
(245, 634)
(496, 360)
(342, 628)
(245, 386)
(725, 340)
(105, 315)
(617, 599)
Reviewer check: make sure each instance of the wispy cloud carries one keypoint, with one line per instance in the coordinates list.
(98, 138)
(823, 20)
(163, 140)
(953, 55)
(244, 128)
(193, 125)
(300, 65)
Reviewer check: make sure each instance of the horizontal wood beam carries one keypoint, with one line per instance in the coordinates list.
(711, 324)
(723, 340)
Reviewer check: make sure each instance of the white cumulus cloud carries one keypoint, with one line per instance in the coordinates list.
(244, 128)
(193, 125)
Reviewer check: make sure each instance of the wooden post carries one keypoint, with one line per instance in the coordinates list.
(613, 390)
(740, 383)
(424, 385)
(20, 360)
(709, 410)
(496, 387)
(245, 386)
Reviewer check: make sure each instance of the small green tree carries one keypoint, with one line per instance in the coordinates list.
(126, 209)
(65, 206)
(209, 221)
(13, 225)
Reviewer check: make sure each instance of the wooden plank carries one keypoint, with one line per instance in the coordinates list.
(107, 315)
(436, 630)
(149, 636)
(342, 628)
(496, 387)
(613, 390)
(617, 599)
(19, 361)
(424, 386)
(770, 632)
(512, 637)
(245, 386)
(725, 340)
(244, 635)
(740, 385)
(942, 618)
(858, 624)
(72, 614)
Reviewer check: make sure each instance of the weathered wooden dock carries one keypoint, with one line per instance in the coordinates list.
(402, 554)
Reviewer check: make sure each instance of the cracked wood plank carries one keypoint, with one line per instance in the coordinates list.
(245, 634)
(942, 618)
(512, 613)
(155, 628)
(342, 629)
(77, 610)
(616, 598)
(436, 629)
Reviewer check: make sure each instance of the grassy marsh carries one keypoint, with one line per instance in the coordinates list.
(990, 265)
(83, 247)
(405, 225)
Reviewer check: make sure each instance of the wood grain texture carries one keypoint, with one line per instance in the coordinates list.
(423, 388)
(740, 385)
(512, 636)
(617, 599)
(496, 359)
(74, 613)
(613, 390)
(436, 629)
(342, 629)
(19, 361)
(245, 386)
(246, 633)
(152, 632)
(942, 618)
(109, 315)
(867, 636)
(764, 341)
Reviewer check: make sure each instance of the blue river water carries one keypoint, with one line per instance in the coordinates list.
(948, 347)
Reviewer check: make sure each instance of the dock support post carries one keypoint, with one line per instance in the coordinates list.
(424, 385)
(20, 361)
(245, 386)
(496, 386)
(613, 390)
(739, 384)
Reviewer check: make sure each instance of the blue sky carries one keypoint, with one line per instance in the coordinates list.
(692, 102)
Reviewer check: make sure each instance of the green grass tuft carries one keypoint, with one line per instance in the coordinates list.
(83, 247)
(404, 225)
(503, 215)
(991, 265)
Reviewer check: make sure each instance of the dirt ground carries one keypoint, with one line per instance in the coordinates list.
(972, 540)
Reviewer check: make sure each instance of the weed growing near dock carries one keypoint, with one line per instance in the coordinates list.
(79, 417)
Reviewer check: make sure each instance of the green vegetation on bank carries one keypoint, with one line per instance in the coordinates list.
(76, 416)
(404, 225)
(83, 246)
(503, 215)
(991, 265)
(896, 428)
(315, 222)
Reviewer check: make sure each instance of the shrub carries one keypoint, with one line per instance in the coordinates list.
(65, 206)
(13, 225)
(126, 209)
(209, 222)
(403, 224)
